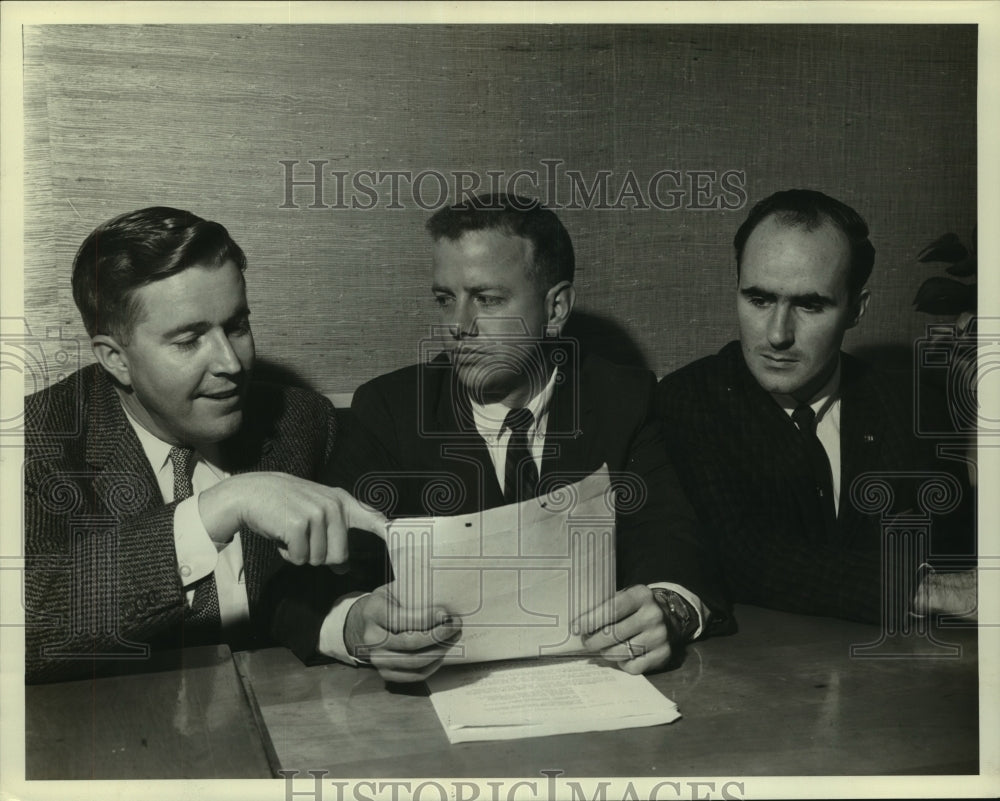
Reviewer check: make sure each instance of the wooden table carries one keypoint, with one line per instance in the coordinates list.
(185, 716)
(784, 696)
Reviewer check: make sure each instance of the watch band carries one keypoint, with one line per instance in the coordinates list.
(680, 616)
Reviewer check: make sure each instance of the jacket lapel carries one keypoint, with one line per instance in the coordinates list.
(570, 430)
(771, 442)
(464, 455)
(862, 443)
(114, 450)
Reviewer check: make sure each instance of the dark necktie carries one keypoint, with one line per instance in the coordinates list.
(520, 475)
(204, 612)
(805, 419)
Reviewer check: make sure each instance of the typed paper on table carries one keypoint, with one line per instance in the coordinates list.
(510, 700)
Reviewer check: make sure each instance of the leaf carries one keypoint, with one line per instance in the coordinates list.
(964, 268)
(947, 248)
(945, 296)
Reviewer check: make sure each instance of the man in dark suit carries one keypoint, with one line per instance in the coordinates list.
(772, 432)
(504, 412)
(161, 483)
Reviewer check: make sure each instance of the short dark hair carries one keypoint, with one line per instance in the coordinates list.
(515, 216)
(136, 249)
(810, 209)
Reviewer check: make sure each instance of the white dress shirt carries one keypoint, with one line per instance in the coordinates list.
(826, 405)
(489, 420)
(197, 554)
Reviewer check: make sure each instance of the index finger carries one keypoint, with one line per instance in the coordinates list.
(360, 515)
(344, 514)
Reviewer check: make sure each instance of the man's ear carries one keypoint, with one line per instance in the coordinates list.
(860, 307)
(112, 357)
(559, 302)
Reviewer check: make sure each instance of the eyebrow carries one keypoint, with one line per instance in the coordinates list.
(472, 290)
(201, 326)
(757, 292)
(808, 299)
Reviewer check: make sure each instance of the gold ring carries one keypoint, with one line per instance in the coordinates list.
(631, 653)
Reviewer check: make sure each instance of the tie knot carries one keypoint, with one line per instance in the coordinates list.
(804, 417)
(519, 420)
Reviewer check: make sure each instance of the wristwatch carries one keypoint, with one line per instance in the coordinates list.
(680, 616)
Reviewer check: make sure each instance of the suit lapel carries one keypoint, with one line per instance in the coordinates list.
(774, 419)
(861, 436)
(114, 450)
(465, 455)
(770, 439)
(569, 433)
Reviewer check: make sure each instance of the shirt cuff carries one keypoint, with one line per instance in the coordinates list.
(699, 608)
(331, 633)
(196, 552)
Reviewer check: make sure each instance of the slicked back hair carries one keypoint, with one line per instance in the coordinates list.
(136, 249)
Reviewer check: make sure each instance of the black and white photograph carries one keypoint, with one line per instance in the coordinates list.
(499, 401)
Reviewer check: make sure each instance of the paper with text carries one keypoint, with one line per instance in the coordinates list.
(510, 700)
(517, 575)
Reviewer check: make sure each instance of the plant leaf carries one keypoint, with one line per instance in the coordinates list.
(964, 268)
(947, 248)
(939, 295)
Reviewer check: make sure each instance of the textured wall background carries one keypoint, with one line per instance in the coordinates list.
(120, 117)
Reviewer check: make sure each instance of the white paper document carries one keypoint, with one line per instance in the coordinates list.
(517, 575)
(510, 700)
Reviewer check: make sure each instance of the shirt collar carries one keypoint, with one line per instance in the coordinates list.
(820, 402)
(157, 451)
(489, 418)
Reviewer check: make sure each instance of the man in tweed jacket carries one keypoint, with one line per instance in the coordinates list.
(803, 260)
(161, 483)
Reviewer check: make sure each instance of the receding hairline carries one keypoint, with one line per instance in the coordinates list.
(531, 269)
(786, 219)
(844, 263)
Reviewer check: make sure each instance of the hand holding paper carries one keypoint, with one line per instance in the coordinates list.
(638, 637)
(517, 575)
(403, 644)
